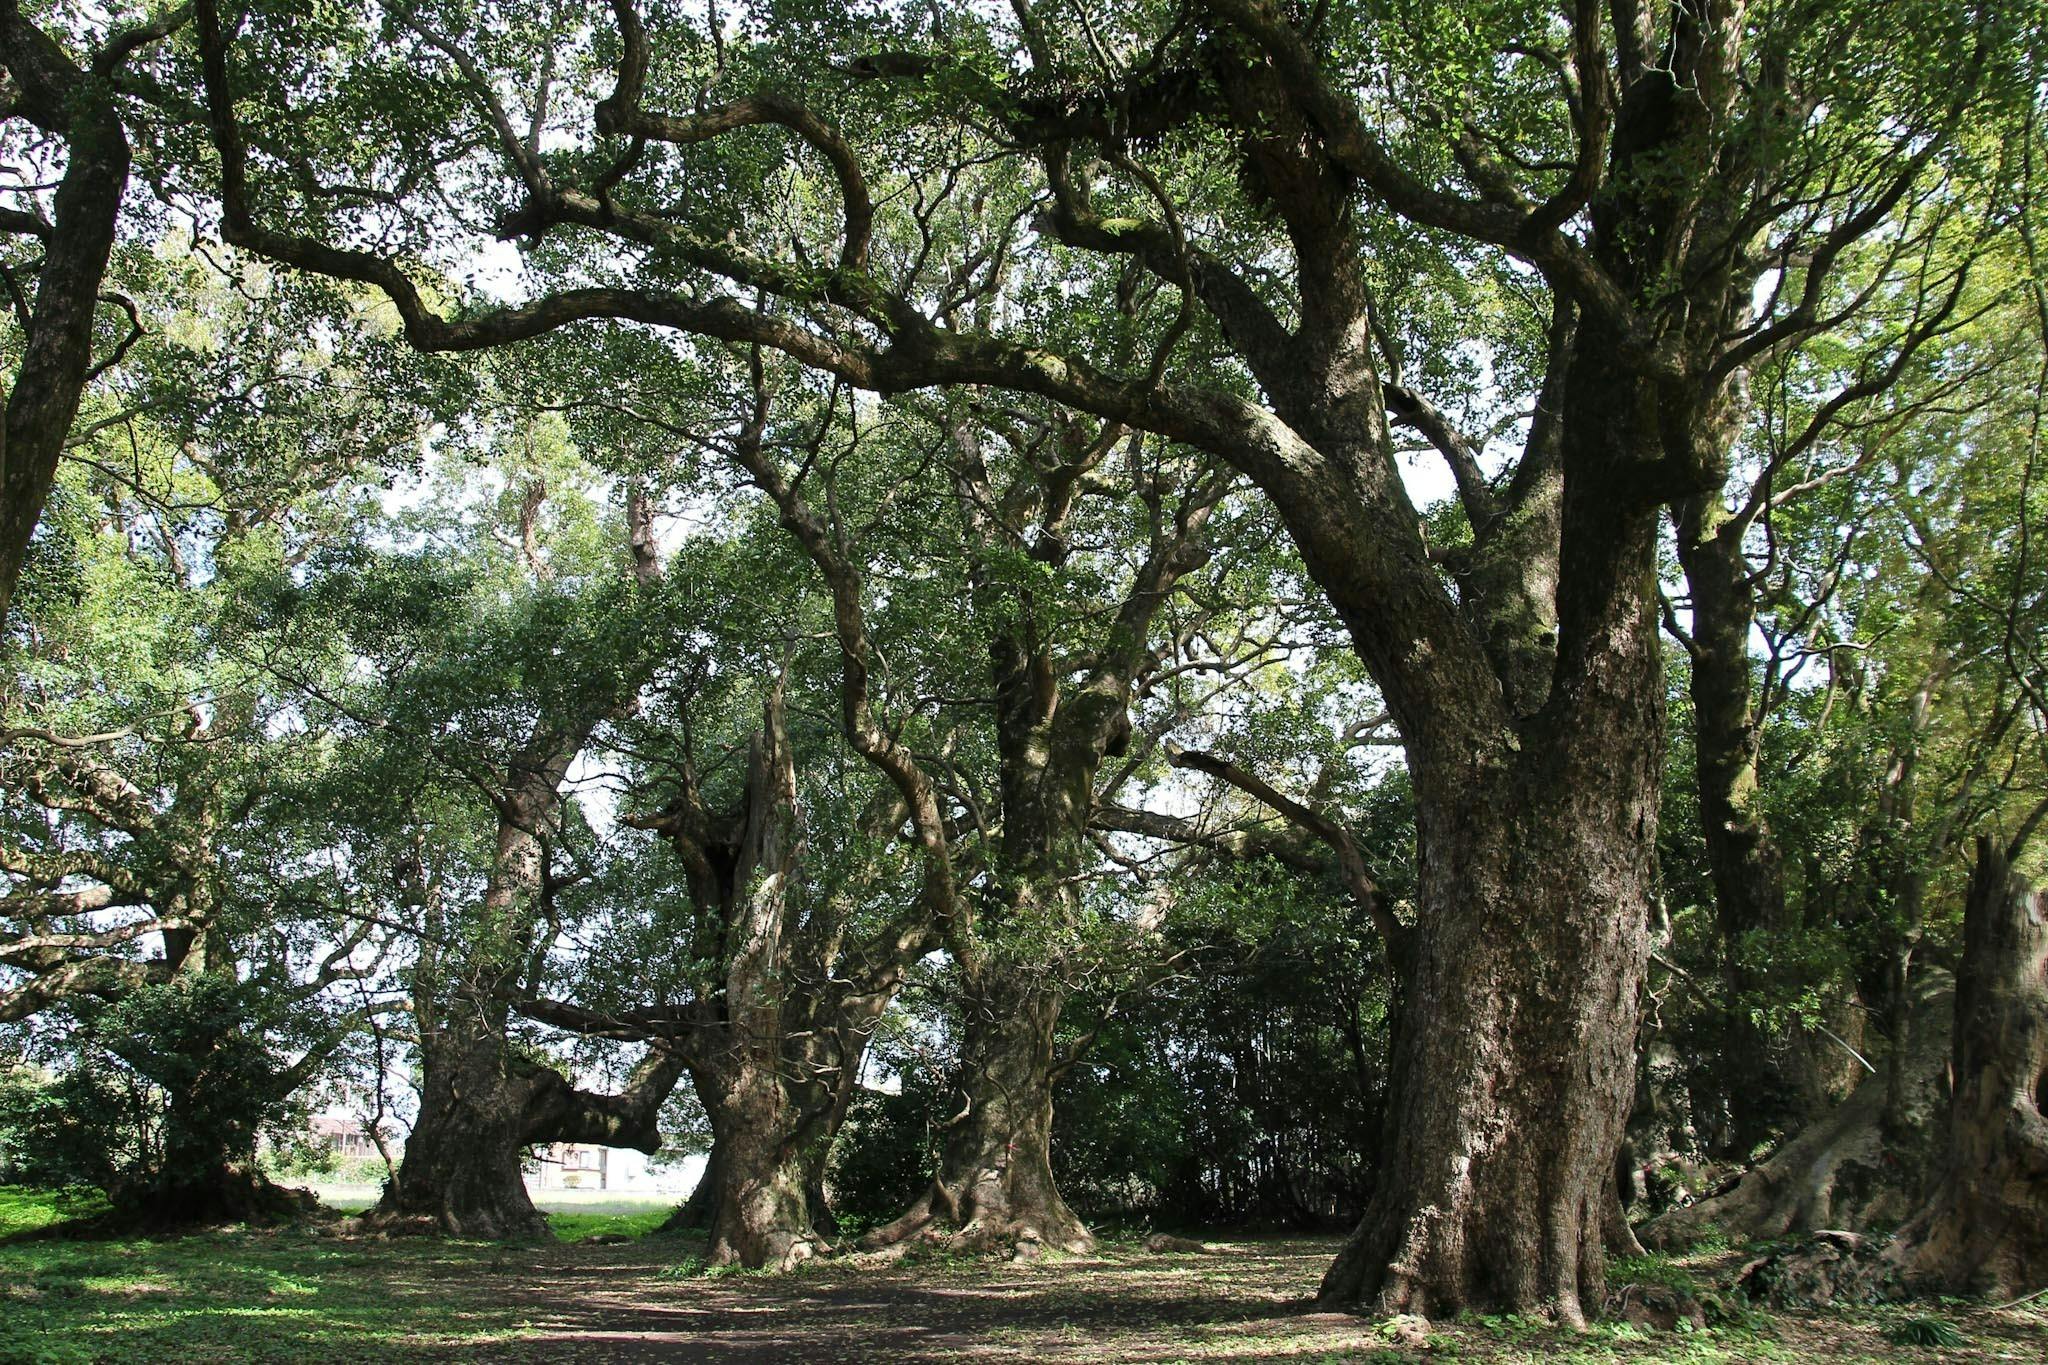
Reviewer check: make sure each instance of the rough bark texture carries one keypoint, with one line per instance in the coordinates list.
(481, 1106)
(1986, 1228)
(462, 1160)
(775, 1045)
(1515, 1069)
(694, 1214)
(994, 1188)
(771, 1151)
(1500, 1191)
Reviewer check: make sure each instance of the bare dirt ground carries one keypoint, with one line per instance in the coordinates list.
(299, 1296)
(1242, 1301)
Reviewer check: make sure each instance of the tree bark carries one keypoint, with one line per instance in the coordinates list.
(1514, 1070)
(775, 1049)
(764, 1188)
(482, 1106)
(1515, 1064)
(462, 1161)
(75, 104)
(1985, 1230)
(1758, 1081)
(994, 1186)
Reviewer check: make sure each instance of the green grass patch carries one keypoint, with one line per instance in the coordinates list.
(24, 1211)
(581, 1227)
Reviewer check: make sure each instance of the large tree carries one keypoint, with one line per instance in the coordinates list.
(1283, 195)
(466, 680)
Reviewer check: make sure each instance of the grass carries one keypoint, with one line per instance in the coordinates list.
(309, 1295)
(581, 1225)
(23, 1212)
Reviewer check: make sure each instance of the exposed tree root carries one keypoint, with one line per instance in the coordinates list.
(1842, 1171)
(981, 1226)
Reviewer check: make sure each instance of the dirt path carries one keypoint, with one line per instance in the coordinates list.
(1246, 1301)
(297, 1296)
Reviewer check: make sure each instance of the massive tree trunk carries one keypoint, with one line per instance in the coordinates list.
(994, 1186)
(764, 1186)
(1514, 1071)
(462, 1161)
(482, 1105)
(1515, 1064)
(1986, 1228)
(776, 1047)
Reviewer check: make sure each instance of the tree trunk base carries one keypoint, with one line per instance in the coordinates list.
(1984, 1229)
(238, 1195)
(1842, 1172)
(944, 1219)
(480, 1202)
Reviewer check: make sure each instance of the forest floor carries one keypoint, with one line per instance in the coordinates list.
(298, 1296)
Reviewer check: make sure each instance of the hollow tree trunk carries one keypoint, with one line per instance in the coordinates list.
(994, 1185)
(1986, 1228)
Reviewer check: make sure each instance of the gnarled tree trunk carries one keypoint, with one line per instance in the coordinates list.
(1985, 1229)
(482, 1105)
(776, 1050)
(1842, 1170)
(1514, 1069)
(462, 1161)
(1515, 1063)
(994, 1186)
(764, 1191)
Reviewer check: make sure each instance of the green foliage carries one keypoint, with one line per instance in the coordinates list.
(161, 1092)
(1929, 1334)
(887, 1147)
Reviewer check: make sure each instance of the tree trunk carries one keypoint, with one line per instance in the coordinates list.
(55, 358)
(1986, 1228)
(462, 1162)
(1515, 1066)
(1845, 1169)
(697, 1210)
(1758, 1079)
(1514, 1072)
(766, 1188)
(222, 1189)
(994, 1185)
(762, 1194)
(482, 1106)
